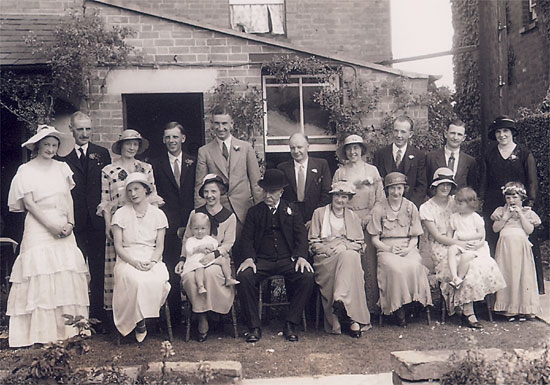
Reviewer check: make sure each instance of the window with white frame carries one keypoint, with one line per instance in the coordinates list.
(290, 108)
(258, 16)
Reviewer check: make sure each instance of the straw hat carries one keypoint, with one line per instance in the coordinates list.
(209, 178)
(274, 179)
(137, 177)
(351, 139)
(128, 135)
(443, 175)
(342, 187)
(43, 131)
(502, 122)
(395, 178)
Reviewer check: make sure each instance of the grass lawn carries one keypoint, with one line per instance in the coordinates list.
(317, 353)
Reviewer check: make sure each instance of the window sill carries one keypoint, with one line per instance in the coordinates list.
(529, 27)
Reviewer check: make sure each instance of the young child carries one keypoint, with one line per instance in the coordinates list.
(514, 255)
(469, 227)
(198, 246)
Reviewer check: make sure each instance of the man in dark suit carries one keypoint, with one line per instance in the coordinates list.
(86, 161)
(309, 178)
(463, 165)
(273, 241)
(174, 174)
(401, 156)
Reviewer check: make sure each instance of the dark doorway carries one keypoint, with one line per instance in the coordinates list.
(148, 113)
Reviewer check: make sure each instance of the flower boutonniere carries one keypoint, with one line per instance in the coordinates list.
(314, 170)
(411, 156)
(236, 148)
(94, 156)
(189, 162)
(368, 181)
(513, 157)
(289, 210)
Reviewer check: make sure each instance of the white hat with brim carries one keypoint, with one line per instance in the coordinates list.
(130, 134)
(137, 177)
(443, 175)
(351, 139)
(342, 187)
(66, 144)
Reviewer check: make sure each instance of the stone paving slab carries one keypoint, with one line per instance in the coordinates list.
(347, 379)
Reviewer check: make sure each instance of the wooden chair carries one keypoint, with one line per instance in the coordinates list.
(487, 301)
(166, 309)
(428, 317)
(261, 303)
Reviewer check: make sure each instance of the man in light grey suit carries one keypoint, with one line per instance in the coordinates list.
(235, 161)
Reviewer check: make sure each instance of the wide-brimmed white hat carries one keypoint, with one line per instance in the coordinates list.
(43, 131)
(443, 175)
(351, 139)
(130, 134)
(342, 187)
(137, 177)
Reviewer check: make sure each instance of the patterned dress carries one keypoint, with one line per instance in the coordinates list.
(369, 190)
(401, 279)
(113, 197)
(483, 276)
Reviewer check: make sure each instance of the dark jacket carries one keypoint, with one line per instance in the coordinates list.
(466, 171)
(413, 166)
(292, 227)
(87, 191)
(318, 181)
(178, 201)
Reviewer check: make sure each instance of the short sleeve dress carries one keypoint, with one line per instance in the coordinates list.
(49, 277)
(193, 259)
(113, 196)
(464, 226)
(483, 276)
(138, 294)
(401, 279)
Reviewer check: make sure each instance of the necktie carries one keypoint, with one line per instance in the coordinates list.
(301, 185)
(398, 157)
(177, 171)
(82, 157)
(225, 152)
(452, 162)
(273, 210)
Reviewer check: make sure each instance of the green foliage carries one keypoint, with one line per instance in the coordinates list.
(80, 43)
(529, 367)
(281, 67)
(465, 67)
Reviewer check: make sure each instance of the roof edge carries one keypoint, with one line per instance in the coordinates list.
(263, 40)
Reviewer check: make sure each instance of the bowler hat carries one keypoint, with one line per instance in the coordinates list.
(66, 145)
(130, 134)
(209, 179)
(502, 122)
(351, 139)
(394, 178)
(274, 179)
(443, 175)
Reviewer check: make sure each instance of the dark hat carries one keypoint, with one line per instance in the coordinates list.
(209, 179)
(394, 178)
(274, 179)
(130, 134)
(502, 122)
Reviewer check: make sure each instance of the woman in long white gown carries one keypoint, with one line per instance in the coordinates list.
(140, 277)
(49, 277)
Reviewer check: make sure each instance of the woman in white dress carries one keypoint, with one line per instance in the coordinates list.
(49, 277)
(141, 278)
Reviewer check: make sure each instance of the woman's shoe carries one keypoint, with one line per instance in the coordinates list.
(471, 322)
(355, 330)
(202, 337)
(141, 333)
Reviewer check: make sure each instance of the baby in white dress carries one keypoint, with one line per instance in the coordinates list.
(198, 246)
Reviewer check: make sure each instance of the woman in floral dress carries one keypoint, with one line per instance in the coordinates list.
(113, 194)
(369, 190)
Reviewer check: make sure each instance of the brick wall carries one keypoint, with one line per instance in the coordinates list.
(38, 6)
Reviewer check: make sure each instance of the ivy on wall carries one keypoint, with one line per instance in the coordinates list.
(465, 19)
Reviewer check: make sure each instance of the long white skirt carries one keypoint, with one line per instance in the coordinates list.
(49, 278)
(138, 294)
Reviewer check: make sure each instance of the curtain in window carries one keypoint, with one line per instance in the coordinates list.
(256, 18)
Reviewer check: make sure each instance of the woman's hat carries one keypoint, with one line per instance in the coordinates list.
(443, 175)
(137, 177)
(351, 139)
(65, 143)
(502, 122)
(128, 135)
(274, 179)
(394, 178)
(209, 179)
(342, 187)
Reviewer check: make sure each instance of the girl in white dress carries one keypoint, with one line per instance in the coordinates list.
(140, 277)
(49, 277)
(514, 255)
(197, 246)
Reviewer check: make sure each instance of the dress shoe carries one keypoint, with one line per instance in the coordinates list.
(254, 335)
(141, 333)
(289, 332)
(400, 317)
(202, 337)
(471, 321)
(355, 330)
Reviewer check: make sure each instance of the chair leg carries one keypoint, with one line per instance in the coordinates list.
(234, 319)
(381, 318)
(260, 295)
(489, 308)
(187, 322)
(317, 310)
(168, 322)
(443, 308)
(428, 315)
(304, 320)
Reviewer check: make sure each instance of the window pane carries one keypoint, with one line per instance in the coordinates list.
(283, 111)
(315, 118)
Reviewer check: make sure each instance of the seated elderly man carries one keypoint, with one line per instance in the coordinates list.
(273, 242)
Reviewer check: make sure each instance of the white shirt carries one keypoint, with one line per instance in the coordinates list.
(172, 160)
(227, 143)
(403, 151)
(448, 155)
(84, 148)
(297, 169)
(276, 205)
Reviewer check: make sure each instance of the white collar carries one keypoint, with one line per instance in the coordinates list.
(84, 148)
(448, 152)
(173, 158)
(298, 165)
(276, 206)
(395, 149)
(227, 143)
